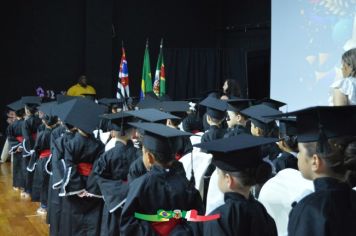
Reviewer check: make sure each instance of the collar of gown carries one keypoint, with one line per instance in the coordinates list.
(328, 183)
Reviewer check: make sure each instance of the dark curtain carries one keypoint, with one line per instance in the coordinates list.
(191, 72)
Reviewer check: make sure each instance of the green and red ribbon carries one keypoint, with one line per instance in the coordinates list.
(163, 216)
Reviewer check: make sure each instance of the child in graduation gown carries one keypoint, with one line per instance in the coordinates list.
(239, 164)
(111, 171)
(14, 135)
(39, 160)
(58, 144)
(29, 132)
(164, 187)
(327, 155)
(216, 113)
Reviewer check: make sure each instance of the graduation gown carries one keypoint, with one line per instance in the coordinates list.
(111, 171)
(160, 188)
(330, 210)
(285, 160)
(213, 133)
(37, 166)
(137, 168)
(14, 136)
(29, 132)
(240, 216)
(55, 180)
(236, 130)
(81, 216)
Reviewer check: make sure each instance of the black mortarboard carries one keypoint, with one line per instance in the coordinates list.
(238, 104)
(32, 101)
(16, 106)
(258, 113)
(90, 96)
(216, 108)
(49, 108)
(64, 98)
(151, 115)
(148, 102)
(287, 127)
(81, 113)
(118, 121)
(316, 123)
(109, 102)
(238, 152)
(177, 108)
(271, 103)
(159, 138)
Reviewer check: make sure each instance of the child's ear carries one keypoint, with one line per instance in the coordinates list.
(317, 163)
(228, 180)
(151, 158)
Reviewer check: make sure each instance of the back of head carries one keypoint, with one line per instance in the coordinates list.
(233, 88)
(349, 58)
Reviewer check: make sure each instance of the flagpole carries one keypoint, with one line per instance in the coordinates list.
(147, 43)
(161, 46)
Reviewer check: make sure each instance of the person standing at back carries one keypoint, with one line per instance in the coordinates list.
(344, 90)
(81, 88)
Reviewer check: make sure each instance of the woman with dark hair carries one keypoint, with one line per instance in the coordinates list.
(231, 88)
(327, 156)
(344, 90)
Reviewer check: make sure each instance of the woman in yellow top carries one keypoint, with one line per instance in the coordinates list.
(81, 88)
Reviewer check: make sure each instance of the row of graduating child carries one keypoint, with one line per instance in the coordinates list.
(60, 175)
(86, 177)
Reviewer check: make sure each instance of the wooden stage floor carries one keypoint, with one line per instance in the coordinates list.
(17, 216)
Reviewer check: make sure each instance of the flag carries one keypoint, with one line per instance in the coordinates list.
(159, 86)
(146, 83)
(123, 83)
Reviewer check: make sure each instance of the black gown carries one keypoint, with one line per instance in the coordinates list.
(240, 216)
(182, 145)
(213, 133)
(37, 166)
(29, 132)
(330, 210)
(58, 141)
(160, 188)
(111, 171)
(285, 160)
(236, 130)
(137, 168)
(14, 136)
(80, 216)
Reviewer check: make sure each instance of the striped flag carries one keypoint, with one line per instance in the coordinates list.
(123, 83)
(159, 85)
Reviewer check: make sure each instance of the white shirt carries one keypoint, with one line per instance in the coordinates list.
(346, 86)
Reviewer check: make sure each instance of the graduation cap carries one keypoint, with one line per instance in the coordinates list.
(148, 102)
(159, 138)
(49, 108)
(238, 152)
(64, 98)
(151, 115)
(238, 104)
(271, 103)
(31, 101)
(177, 108)
(287, 127)
(81, 113)
(216, 108)
(258, 114)
(165, 97)
(315, 124)
(118, 121)
(110, 102)
(90, 96)
(16, 106)
(214, 93)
